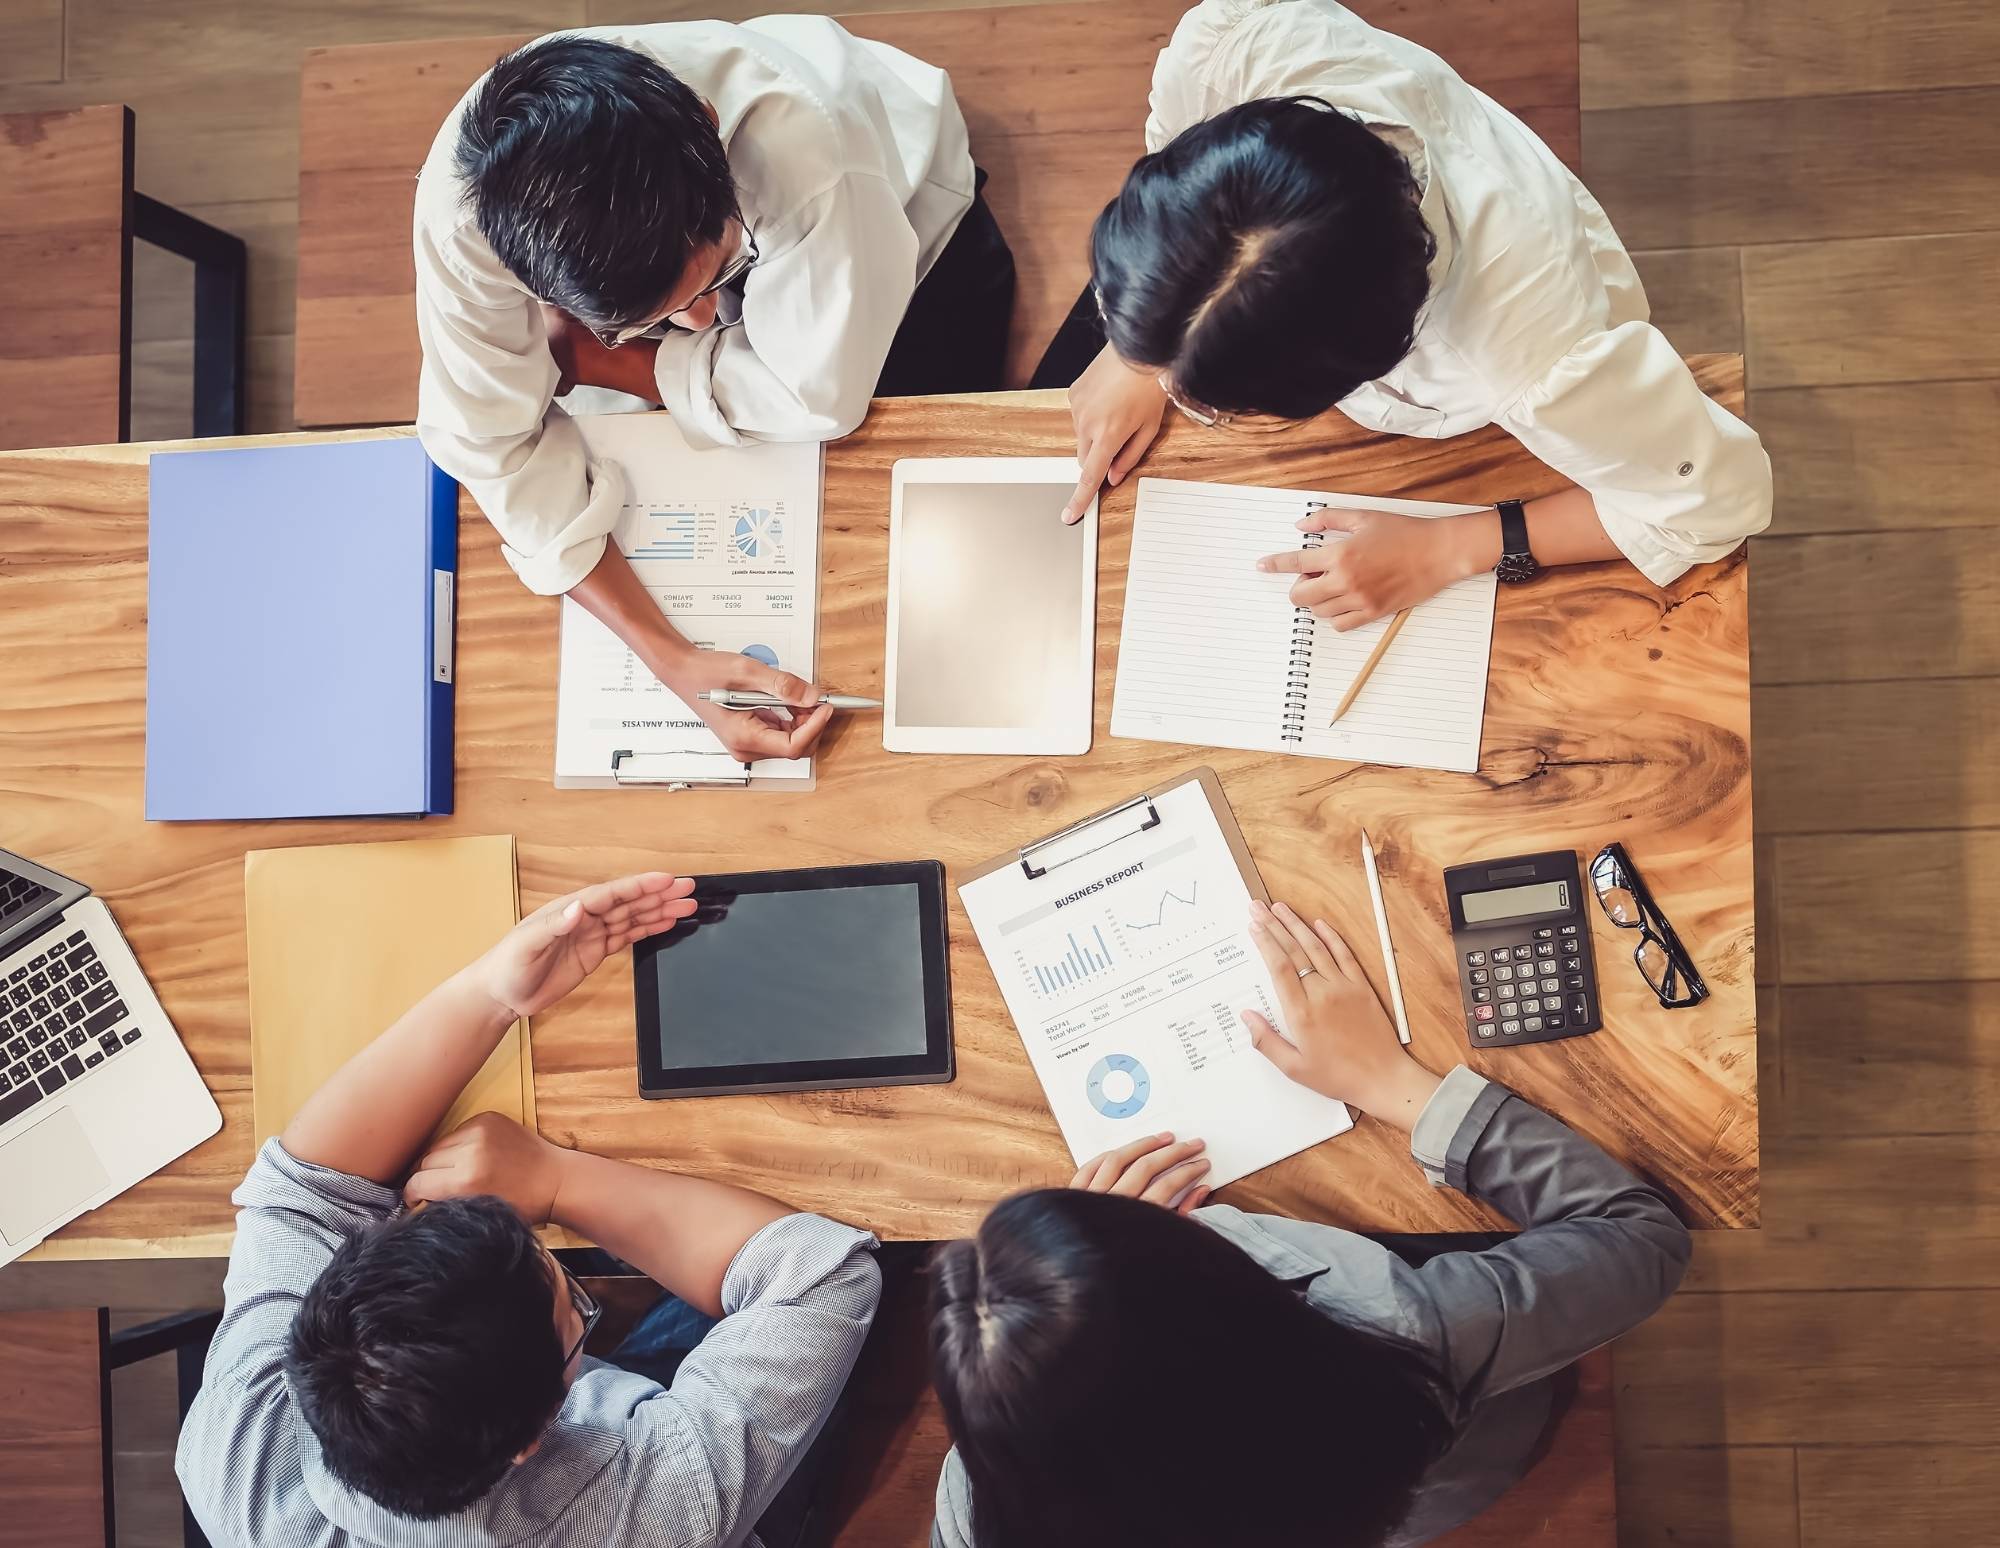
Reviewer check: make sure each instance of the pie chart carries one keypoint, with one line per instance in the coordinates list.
(757, 534)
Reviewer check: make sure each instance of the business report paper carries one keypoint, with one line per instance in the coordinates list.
(726, 541)
(1126, 971)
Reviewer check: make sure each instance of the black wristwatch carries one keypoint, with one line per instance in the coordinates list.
(1517, 560)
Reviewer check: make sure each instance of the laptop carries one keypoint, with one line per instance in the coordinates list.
(96, 1090)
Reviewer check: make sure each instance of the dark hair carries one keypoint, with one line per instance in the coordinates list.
(1270, 259)
(595, 174)
(1116, 1374)
(425, 1358)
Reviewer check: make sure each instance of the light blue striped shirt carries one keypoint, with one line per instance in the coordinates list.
(625, 1461)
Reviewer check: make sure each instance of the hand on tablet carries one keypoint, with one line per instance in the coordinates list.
(752, 734)
(1342, 1043)
(1116, 409)
(560, 944)
(1156, 1168)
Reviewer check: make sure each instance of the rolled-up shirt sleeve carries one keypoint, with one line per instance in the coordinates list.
(820, 310)
(487, 416)
(1677, 479)
(797, 1302)
(1599, 1252)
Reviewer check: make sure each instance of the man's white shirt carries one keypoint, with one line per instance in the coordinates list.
(853, 170)
(1537, 321)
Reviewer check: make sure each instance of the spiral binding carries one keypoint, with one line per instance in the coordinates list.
(1298, 662)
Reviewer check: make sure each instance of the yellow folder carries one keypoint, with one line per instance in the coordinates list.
(343, 938)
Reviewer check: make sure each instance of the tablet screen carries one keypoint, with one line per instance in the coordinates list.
(989, 604)
(767, 978)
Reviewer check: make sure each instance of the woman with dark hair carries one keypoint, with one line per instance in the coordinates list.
(1329, 216)
(1122, 1367)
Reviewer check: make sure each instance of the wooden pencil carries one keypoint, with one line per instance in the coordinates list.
(1368, 667)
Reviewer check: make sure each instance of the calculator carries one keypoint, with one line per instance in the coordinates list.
(1522, 942)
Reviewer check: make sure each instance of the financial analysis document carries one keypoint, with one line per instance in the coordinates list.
(1126, 971)
(726, 541)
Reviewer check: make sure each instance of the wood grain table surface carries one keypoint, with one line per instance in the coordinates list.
(1615, 710)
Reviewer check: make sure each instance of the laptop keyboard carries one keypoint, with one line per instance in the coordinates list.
(18, 895)
(60, 1018)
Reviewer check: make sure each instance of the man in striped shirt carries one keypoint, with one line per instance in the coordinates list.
(403, 1365)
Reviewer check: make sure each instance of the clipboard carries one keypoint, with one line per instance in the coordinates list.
(1122, 952)
(1127, 819)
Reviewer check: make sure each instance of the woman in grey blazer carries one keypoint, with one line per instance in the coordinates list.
(1120, 1365)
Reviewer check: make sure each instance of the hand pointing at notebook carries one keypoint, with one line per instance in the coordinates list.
(1385, 563)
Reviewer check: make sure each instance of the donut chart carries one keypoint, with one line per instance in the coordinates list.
(1118, 1085)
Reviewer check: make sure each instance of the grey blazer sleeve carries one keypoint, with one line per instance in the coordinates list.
(1598, 1253)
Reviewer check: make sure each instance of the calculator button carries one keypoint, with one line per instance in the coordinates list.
(1486, 1030)
(1505, 991)
(1572, 964)
(1481, 996)
(1510, 1028)
(1529, 1007)
(1545, 948)
(1545, 934)
(1523, 953)
(1579, 1007)
(1574, 981)
(1476, 975)
(1553, 1023)
(1532, 1024)
(1482, 1013)
(1569, 929)
(1549, 986)
(1503, 974)
(1475, 959)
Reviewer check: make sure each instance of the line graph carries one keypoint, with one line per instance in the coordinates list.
(1167, 895)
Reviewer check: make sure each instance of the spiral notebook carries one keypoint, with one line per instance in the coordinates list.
(1213, 652)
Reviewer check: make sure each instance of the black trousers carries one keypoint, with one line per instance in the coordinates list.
(1077, 342)
(953, 338)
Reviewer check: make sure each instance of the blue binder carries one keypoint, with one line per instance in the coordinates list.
(299, 632)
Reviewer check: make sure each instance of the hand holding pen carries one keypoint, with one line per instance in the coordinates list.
(744, 699)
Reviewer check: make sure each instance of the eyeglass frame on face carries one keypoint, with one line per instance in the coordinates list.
(1617, 864)
(584, 1304)
(732, 271)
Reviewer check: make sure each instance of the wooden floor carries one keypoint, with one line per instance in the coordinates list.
(1808, 181)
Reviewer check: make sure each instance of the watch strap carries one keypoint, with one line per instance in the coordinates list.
(1517, 559)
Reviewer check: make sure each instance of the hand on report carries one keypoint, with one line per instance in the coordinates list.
(1387, 563)
(1116, 409)
(751, 734)
(1157, 1168)
(562, 943)
(1342, 1043)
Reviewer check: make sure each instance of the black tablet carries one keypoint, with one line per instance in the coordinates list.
(798, 981)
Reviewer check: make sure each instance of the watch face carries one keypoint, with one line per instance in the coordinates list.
(1517, 567)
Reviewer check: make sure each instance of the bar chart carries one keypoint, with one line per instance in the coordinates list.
(1089, 954)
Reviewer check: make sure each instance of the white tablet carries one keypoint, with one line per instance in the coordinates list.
(992, 608)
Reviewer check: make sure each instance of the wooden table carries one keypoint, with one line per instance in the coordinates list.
(1615, 711)
(55, 1438)
(1054, 97)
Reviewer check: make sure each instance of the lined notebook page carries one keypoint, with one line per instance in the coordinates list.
(1201, 657)
(1207, 639)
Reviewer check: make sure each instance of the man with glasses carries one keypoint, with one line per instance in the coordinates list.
(400, 1362)
(1329, 216)
(759, 226)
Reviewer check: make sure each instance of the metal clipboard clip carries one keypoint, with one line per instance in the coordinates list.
(679, 771)
(1090, 835)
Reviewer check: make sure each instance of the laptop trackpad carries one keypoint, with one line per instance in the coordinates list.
(45, 1174)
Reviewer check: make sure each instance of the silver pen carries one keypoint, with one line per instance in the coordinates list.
(741, 698)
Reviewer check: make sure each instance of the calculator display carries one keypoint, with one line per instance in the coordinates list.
(1549, 897)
